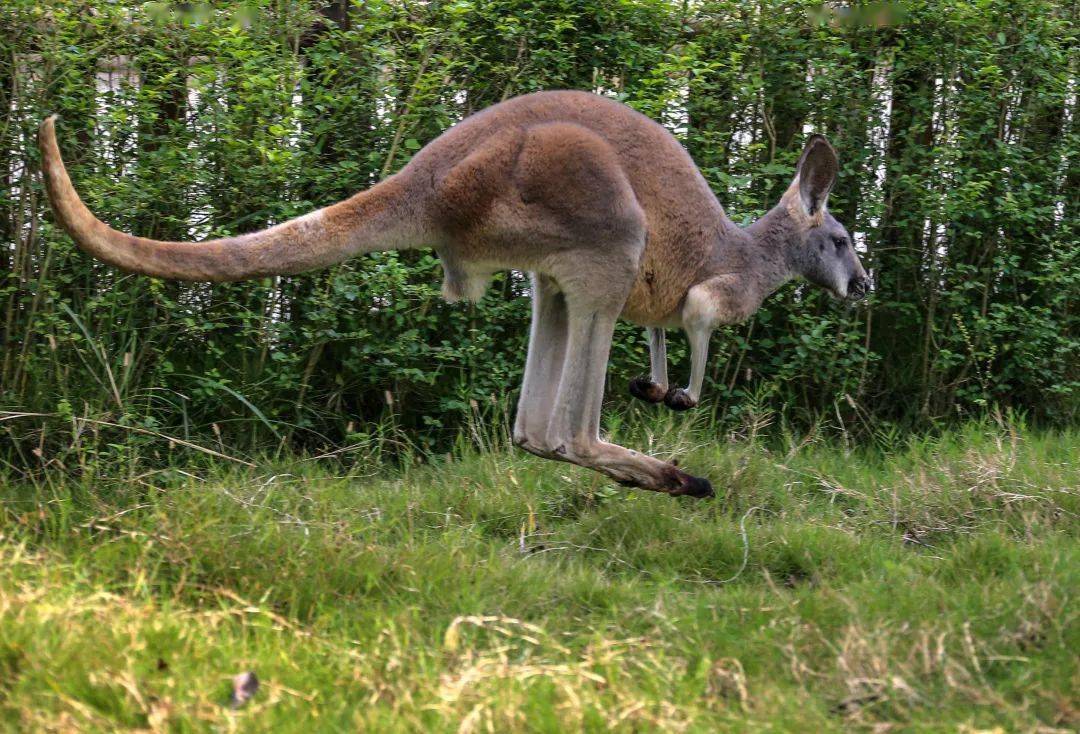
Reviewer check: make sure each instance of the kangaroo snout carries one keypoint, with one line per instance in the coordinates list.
(858, 287)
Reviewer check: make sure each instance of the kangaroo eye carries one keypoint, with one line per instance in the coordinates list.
(840, 242)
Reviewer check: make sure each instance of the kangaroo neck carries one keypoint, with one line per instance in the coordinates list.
(757, 255)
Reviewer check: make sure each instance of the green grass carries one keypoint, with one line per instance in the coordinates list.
(924, 586)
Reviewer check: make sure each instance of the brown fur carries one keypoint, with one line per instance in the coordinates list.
(602, 204)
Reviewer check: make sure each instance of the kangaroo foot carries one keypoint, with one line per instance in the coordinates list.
(684, 485)
(691, 486)
(632, 468)
(679, 399)
(645, 389)
(677, 484)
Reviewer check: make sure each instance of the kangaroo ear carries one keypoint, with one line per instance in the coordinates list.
(817, 171)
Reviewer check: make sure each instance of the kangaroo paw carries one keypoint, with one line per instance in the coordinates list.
(679, 399)
(645, 389)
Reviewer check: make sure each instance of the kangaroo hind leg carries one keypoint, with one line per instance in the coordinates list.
(574, 429)
(543, 367)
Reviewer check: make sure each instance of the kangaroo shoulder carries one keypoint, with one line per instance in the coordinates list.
(722, 299)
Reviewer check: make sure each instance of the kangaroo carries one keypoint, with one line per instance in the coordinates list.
(797, 238)
(601, 205)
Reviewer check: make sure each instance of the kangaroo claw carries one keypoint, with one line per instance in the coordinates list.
(645, 389)
(678, 399)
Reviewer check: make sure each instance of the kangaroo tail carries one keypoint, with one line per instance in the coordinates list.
(381, 218)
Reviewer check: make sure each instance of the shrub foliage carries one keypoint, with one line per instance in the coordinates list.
(956, 122)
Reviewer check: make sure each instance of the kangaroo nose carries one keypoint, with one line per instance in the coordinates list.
(858, 287)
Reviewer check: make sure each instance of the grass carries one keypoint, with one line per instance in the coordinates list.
(923, 586)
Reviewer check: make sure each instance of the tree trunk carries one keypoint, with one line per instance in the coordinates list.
(900, 251)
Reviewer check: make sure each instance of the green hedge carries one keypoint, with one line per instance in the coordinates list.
(956, 123)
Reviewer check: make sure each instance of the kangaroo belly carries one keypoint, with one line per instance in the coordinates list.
(669, 267)
(652, 302)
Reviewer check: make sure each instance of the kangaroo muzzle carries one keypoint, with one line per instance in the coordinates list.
(858, 287)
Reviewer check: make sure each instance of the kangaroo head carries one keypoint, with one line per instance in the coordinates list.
(820, 247)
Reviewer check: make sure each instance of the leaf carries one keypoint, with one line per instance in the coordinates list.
(452, 638)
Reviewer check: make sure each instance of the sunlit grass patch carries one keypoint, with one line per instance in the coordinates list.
(928, 586)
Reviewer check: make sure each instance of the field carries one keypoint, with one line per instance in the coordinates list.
(924, 584)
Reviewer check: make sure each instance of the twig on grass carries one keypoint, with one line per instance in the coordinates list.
(645, 571)
(746, 550)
